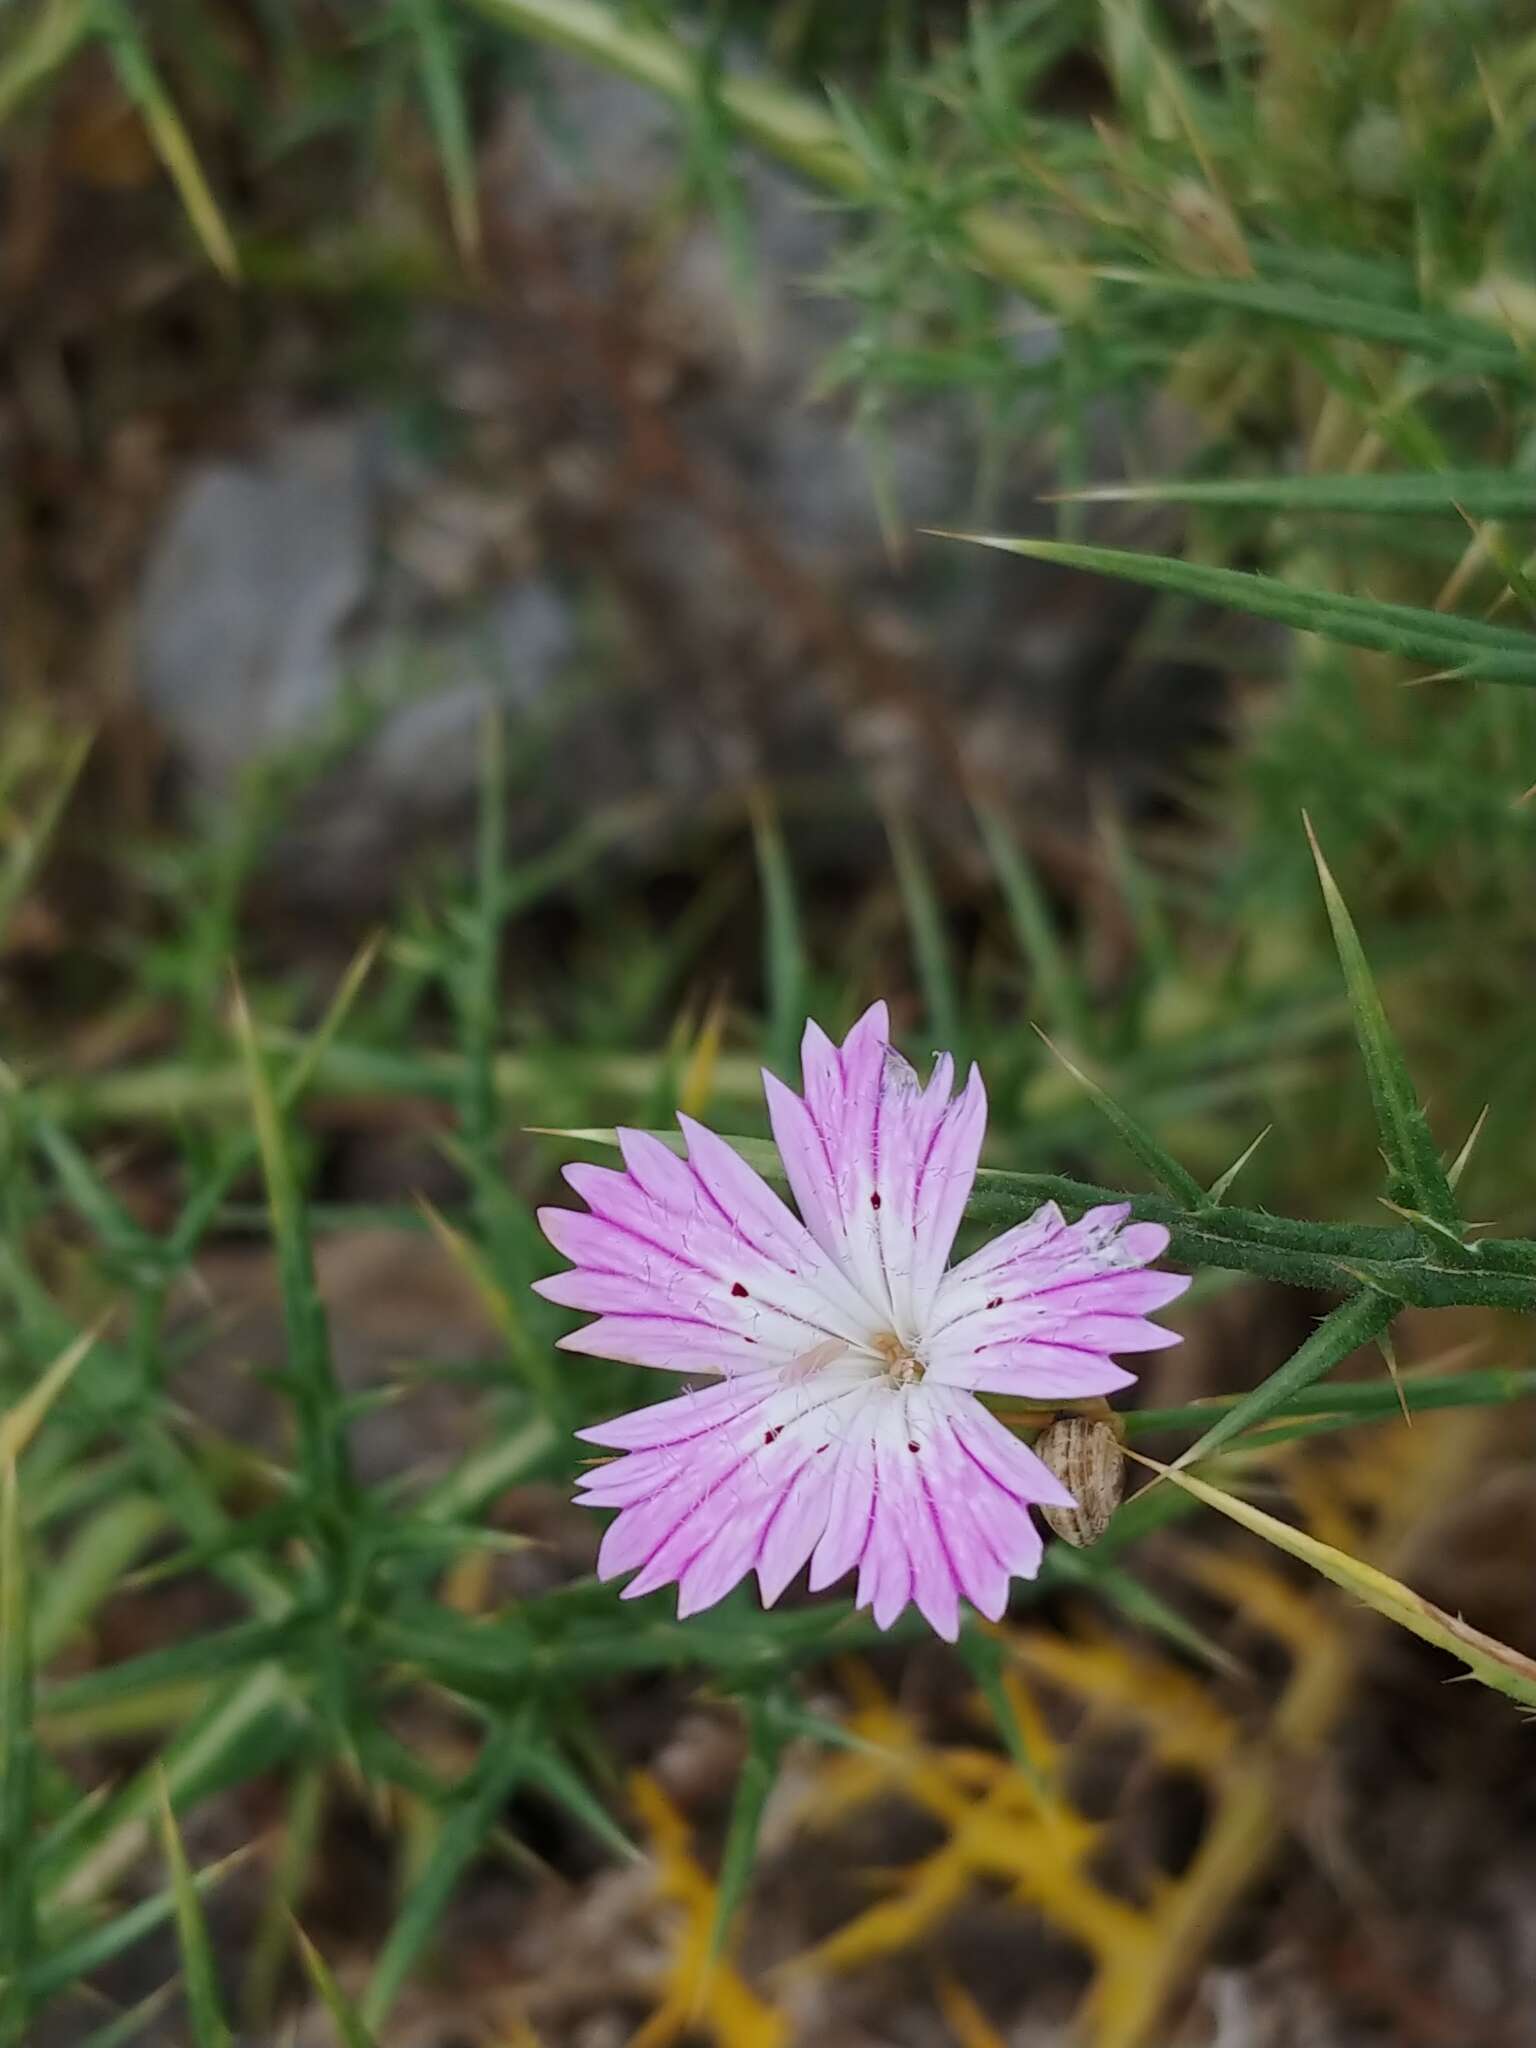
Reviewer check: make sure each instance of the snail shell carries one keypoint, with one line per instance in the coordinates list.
(1086, 1457)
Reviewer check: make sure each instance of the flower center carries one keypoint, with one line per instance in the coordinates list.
(902, 1365)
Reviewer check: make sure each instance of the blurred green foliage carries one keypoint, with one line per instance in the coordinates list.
(1310, 228)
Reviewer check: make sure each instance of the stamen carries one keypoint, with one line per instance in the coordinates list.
(902, 1365)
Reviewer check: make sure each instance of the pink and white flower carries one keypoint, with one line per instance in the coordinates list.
(840, 1426)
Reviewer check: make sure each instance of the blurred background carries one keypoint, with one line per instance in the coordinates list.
(479, 487)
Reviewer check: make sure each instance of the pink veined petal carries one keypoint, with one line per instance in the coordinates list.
(931, 1504)
(694, 1265)
(880, 1165)
(917, 1488)
(683, 1418)
(906, 1504)
(998, 1456)
(711, 1476)
(796, 1522)
(851, 1501)
(1039, 1311)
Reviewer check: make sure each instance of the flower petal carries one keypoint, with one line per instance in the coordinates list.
(721, 1482)
(916, 1487)
(931, 1503)
(879, 1164)
(1039, 1311)
(694, 1265)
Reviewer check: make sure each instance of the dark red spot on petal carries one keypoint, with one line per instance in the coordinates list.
(996, 1301)
(911, 1446)
(738, 1290)
(772, 1435)
(820, 1448)
(874, 1200)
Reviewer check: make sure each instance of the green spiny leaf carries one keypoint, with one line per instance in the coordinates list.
(549, 1770)
(1221, 1186)
(464, 1830)
(1355, 1401)
(1417, 1178)
(1160, 1163)
(1360, 1320)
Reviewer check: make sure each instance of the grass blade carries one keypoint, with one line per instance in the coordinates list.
(132, 2025)
(141, 81)
(765, 1739)
(101, 1552)
(1469, 648)
(20, 1424)
(319, 1409)
(48, 44)
(344, 2016)
(76, 1959)
(28, 847)
(783, 945)
(925, 922)
(204, 1202)
(18, 1769)
(443, 93)
(1447, 339)
(1477, 493)
(200, 1971)
(1058, 988)
(269, 1947)
(244, 1727)
(1489, 1661)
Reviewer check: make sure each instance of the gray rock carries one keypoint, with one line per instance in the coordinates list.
(251, 585)
(648, 543)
